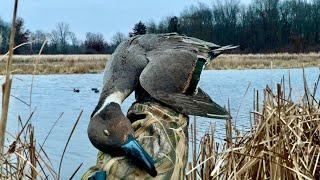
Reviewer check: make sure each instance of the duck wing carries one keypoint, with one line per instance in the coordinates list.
(200, 104)
(172, 76)
(169, 70)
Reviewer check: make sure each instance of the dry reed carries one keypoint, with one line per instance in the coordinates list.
(22, 159)
(6, 87)
(284, 142)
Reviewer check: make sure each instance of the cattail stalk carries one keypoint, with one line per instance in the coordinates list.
(6, 87)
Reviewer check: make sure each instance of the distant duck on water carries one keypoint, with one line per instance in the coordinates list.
(167, 67)
(95, 90)
(76, 90)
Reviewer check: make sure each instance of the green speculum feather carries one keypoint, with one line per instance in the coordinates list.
(196, 76)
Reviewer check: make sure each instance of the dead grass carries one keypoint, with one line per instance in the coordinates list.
(22, 159)
(264, 61)
(57, 64)
(68, 64)
(284, 142)
(26, 159)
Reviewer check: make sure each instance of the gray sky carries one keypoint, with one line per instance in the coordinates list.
(102, 16)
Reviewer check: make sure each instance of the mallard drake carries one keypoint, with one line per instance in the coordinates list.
(168, 68)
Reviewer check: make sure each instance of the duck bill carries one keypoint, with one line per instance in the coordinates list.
(140, 157)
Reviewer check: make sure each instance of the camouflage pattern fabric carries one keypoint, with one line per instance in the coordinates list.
(163, 133)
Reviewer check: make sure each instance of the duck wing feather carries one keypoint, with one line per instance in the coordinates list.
(200, 104)
(167, 77)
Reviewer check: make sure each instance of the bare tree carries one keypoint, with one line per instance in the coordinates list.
(95, 43)
(197, 21)
(163, 25)
(61, 37)
(316, 20)
(117, 38)
(38, 37)
(225, 19)
(151, 27)
(5, 31)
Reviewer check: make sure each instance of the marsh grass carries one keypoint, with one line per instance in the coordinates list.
(265, 61)
(22, 160)
(6, 86)
(57, 64)
(68, 64)
(25, 159)
(283, 143)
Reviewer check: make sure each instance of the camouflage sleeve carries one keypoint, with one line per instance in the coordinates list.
(163, 133)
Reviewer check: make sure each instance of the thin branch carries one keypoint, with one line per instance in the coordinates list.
(65, 147)
(75, 172)
(20, 100)
(35, 63)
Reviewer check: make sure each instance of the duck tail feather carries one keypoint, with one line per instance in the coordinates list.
(216, 52)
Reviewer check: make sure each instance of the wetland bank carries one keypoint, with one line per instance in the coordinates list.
(70, 64)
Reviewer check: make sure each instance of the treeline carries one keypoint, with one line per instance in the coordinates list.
(61, 40)
(261, 26)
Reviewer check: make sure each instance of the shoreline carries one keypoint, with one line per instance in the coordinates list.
(82, 64)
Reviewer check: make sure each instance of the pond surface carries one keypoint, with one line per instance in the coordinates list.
(53, 95)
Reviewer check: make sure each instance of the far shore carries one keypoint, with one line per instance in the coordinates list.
(74, 64)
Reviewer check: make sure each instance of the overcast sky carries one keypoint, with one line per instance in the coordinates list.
(105, 16)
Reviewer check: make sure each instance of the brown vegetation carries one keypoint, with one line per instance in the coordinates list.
(57, 64)
(26, 158)
(23, 159)
(283, 143)
(68, 64)
(264, 61)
